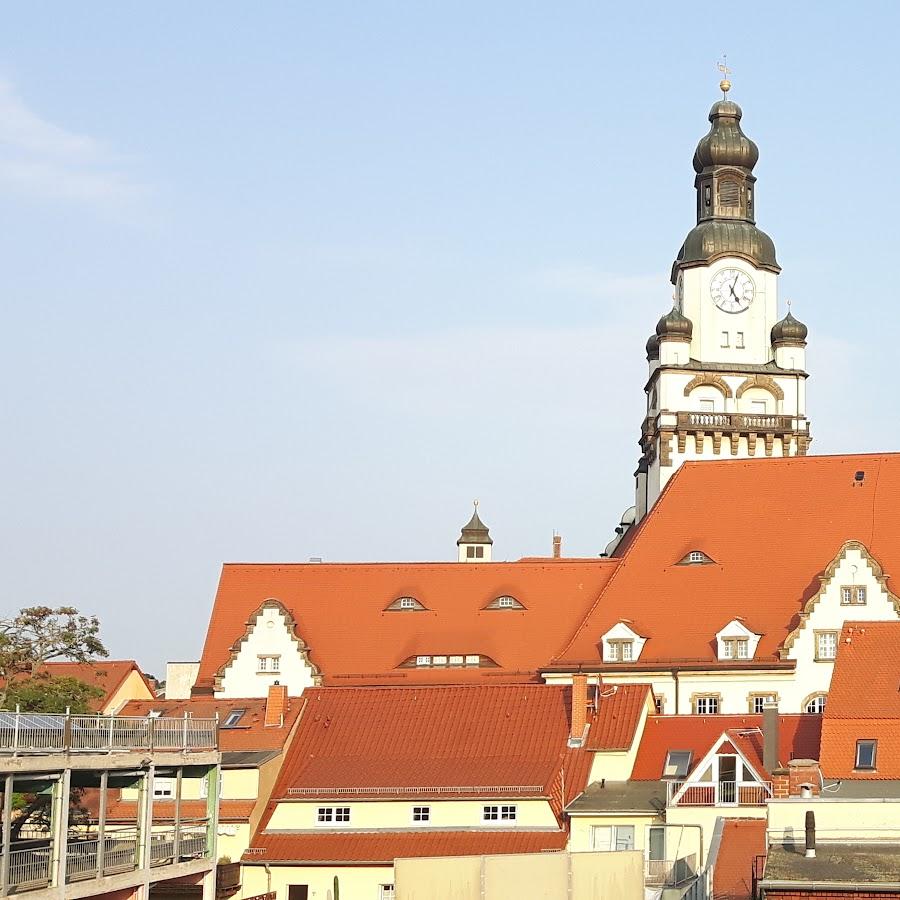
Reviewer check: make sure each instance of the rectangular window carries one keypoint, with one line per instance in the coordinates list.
(470, 553)
(421, 814)
(706, 706)
(759, 701)
(660, 704)
(621, 651)
(407, 603)
(853, 595)
(826, 645)
(387, 892)
(473, 660)
(758, 407)
(439, 660)
(678, 762)
(479, 553)
(333, 815)
(707, 406)
(268, 663)
(607, 838)
(423, 660)
(735, 648)
(456, 660)
(504, 813)
(743, 648)
(740, 340)
(725, 339)
(846, 595)
(865, 754)
(163, 787)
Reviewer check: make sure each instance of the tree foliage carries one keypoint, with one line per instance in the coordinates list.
(46, 694)
(41, 634)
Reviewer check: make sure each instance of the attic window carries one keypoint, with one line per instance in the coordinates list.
(504, 602)
(452, 661)
(233, 718)
(405, 604)
(865, 754)
(695, 558)
(678, 762)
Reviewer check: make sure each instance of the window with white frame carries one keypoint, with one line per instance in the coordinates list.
(816, 704)
(607, 838)
(421, 814)
(853, 595)
(505, 812)
(758, 702)
(865, 754)
(408, 603)
(826, 645)
(163, 787)
(621, 650)
(706, 705)
(678, 763)
(268, 662)
(474, 552)
(387, 892)
(735, 648)
(333, 815)
(423, 660)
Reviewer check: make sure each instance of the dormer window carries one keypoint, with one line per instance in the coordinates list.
(405, 604)
(695, 558)
(452, 660)
(735, 648)
(621, 650)
(736, 641)
(621, 644)
(504, 602)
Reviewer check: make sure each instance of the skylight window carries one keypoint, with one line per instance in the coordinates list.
(678, 763)
(233, 718)
(865, 754)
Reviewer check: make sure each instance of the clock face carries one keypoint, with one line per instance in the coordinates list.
(732, 290)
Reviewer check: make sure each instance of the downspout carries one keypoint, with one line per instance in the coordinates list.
(677, 703)
(268, 869)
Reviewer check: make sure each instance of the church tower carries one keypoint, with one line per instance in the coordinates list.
(727, 378)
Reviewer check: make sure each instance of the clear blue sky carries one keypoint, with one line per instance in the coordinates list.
(294, 279)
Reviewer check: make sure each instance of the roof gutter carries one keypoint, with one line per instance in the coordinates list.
(663, 668)
(864, 887)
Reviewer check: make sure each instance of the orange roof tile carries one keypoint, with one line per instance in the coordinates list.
(798, 739)
(383, 847)
(251, 732)
(439, 741)
(742, 841)
(864, 701)
(340, 611)
(106, 674)
(621, 712)
(812, 505)
(119, 810)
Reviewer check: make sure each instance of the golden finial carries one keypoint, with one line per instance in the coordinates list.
(724, 84)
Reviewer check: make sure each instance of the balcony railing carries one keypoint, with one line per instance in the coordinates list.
(669, 872)
(39, 733)
(744, 422)
(29, 868)
(718, 793)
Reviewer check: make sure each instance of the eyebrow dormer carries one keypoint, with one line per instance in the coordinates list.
(404, 604)
(696, 558)
(505, 601)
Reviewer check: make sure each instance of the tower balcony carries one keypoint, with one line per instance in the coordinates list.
(743, 423)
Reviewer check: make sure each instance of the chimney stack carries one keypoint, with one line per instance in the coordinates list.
(810, 834)
(557, 546)
(276, 704)
(579, 709)
(770, 736)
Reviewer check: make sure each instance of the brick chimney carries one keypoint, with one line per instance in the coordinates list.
(579, 709)
(798, 774)
(276, 704)
(557, 546)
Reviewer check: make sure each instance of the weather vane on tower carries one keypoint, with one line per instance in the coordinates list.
(724, 84)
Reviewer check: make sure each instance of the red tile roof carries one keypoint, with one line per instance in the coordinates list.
(251, 732)
(340, 611)
(621, 713)
(742, 841)
(106, 674)
(864, 701)
(383, 847)
(812, 505)
(442, 741)
(798, 739)
(164, 810)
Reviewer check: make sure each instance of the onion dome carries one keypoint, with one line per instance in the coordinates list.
(714, 238)
(725, 144)
(674, 327)
(476, 532)
(653, 347)
(789, 331)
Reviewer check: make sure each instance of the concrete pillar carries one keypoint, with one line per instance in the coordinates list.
(8, 784)
(176, 851)
(101, 823)
(145, 817)
(59, 829)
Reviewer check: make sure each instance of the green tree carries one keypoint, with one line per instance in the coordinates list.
(41, 634)
(46, 694)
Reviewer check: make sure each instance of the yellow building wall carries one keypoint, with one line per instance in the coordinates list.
(132, 688)
(240, 784)
(580, 829)
(698, 839)
(233, 839)
(356, 882)
(398, 814)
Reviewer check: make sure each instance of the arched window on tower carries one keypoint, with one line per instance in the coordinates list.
(729, 197)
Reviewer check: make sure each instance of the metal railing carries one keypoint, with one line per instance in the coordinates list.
(669, 872)
(40, 733)
(717, 793)
(29, 869)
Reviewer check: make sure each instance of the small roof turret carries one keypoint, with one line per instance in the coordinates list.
(674, 326)
(725, 144)
(789, 331)
(475, 532)
(653, 346)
